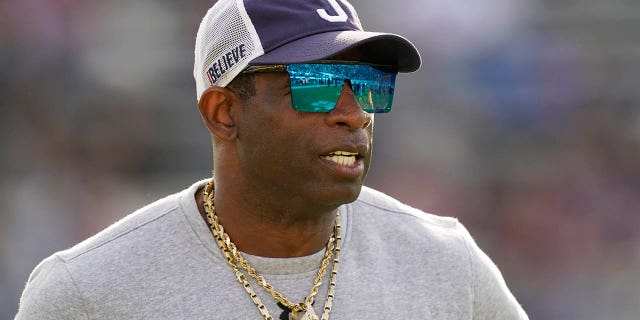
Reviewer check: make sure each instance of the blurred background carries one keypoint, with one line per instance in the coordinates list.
(523, 123)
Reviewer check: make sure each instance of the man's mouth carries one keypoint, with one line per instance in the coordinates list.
(343, 158)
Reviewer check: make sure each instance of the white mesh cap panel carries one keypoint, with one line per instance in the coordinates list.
(226, 42)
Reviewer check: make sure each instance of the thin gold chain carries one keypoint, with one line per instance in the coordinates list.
(234, 258)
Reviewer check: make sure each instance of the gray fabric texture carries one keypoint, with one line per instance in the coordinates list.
(161, 262)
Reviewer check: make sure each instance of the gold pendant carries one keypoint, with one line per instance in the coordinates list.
(309, 314)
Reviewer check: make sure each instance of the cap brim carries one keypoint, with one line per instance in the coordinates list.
(382, 48)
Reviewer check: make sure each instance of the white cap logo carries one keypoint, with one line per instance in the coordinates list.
(341, 17)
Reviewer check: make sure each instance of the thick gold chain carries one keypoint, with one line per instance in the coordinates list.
(235, 258)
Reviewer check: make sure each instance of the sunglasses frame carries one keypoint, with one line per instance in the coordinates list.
(283, 68)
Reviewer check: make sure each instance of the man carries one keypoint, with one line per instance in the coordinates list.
(285, 228)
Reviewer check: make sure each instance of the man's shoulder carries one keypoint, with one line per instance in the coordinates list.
(112, 261)
(134, 227)
(385, 228)
(376, 202)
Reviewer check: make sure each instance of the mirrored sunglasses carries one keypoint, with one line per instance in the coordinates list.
(315, 87)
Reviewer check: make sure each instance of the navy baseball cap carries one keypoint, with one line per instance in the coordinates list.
(235, 34)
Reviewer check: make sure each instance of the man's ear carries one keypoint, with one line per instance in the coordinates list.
(217, 107)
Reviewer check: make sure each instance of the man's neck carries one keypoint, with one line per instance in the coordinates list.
(280, 235)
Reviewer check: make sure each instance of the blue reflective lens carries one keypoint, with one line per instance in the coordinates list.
(315, 87)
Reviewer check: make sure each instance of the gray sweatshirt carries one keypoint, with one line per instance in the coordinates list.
(162, 262)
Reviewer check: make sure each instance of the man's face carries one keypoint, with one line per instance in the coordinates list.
(321, 158)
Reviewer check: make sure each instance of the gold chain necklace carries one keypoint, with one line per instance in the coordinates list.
(234, 258)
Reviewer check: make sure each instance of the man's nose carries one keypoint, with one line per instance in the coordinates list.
(347, 112)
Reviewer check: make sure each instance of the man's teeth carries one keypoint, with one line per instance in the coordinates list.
(342, 158)
(344, 153)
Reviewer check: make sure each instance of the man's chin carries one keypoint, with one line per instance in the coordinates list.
(340, 196)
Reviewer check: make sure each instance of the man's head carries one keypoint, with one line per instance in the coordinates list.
(287, 89)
